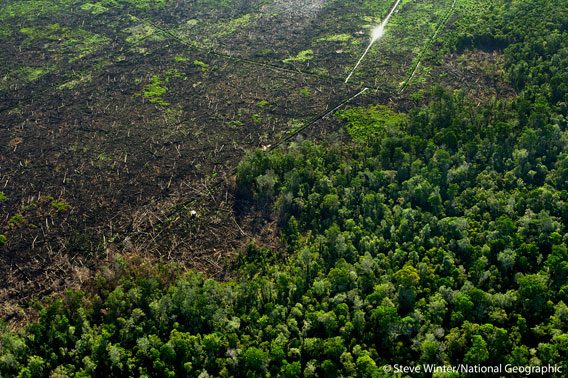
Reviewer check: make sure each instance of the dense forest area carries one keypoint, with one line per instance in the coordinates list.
(434, 237)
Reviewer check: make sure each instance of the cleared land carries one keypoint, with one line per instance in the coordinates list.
(120, 118)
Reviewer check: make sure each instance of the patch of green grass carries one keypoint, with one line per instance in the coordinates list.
(144, 4)
(229, 27)
(212, 32)
(2, 239)
(336, 38)
(157, 87)
(320, 71)
(294, 124)
(60, 206)
(32, 9)
(199, 63)
(52, 31)
(267, 52)
(29, 73)
(77, 43)
(3, 196)
(103, 6)
(16, 220)
(139, 32)
(366, 123)
(305, 91)
(86, 44)
(103, 157)
(155, 90)
(173, 73)
(179, 58)
(174, 115)
(94, 8)
(262, 104)
(234, 124)
(30, 206)
(75, 82)
(301, 57)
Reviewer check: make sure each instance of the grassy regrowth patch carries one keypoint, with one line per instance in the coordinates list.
(367, 123)
(24, 74)
(141, 4)
(31, 9)
(74, 83)
(155, 90)
(75, 43)
(179, 58)
(157, 87)
(228, 27)
(214, 30)
(16, 220)
(301, 57)
(96, 8)
(201, 64)
(60, 205)
(139, 32)
(336, 38)
(305, 91)
(52, 31)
